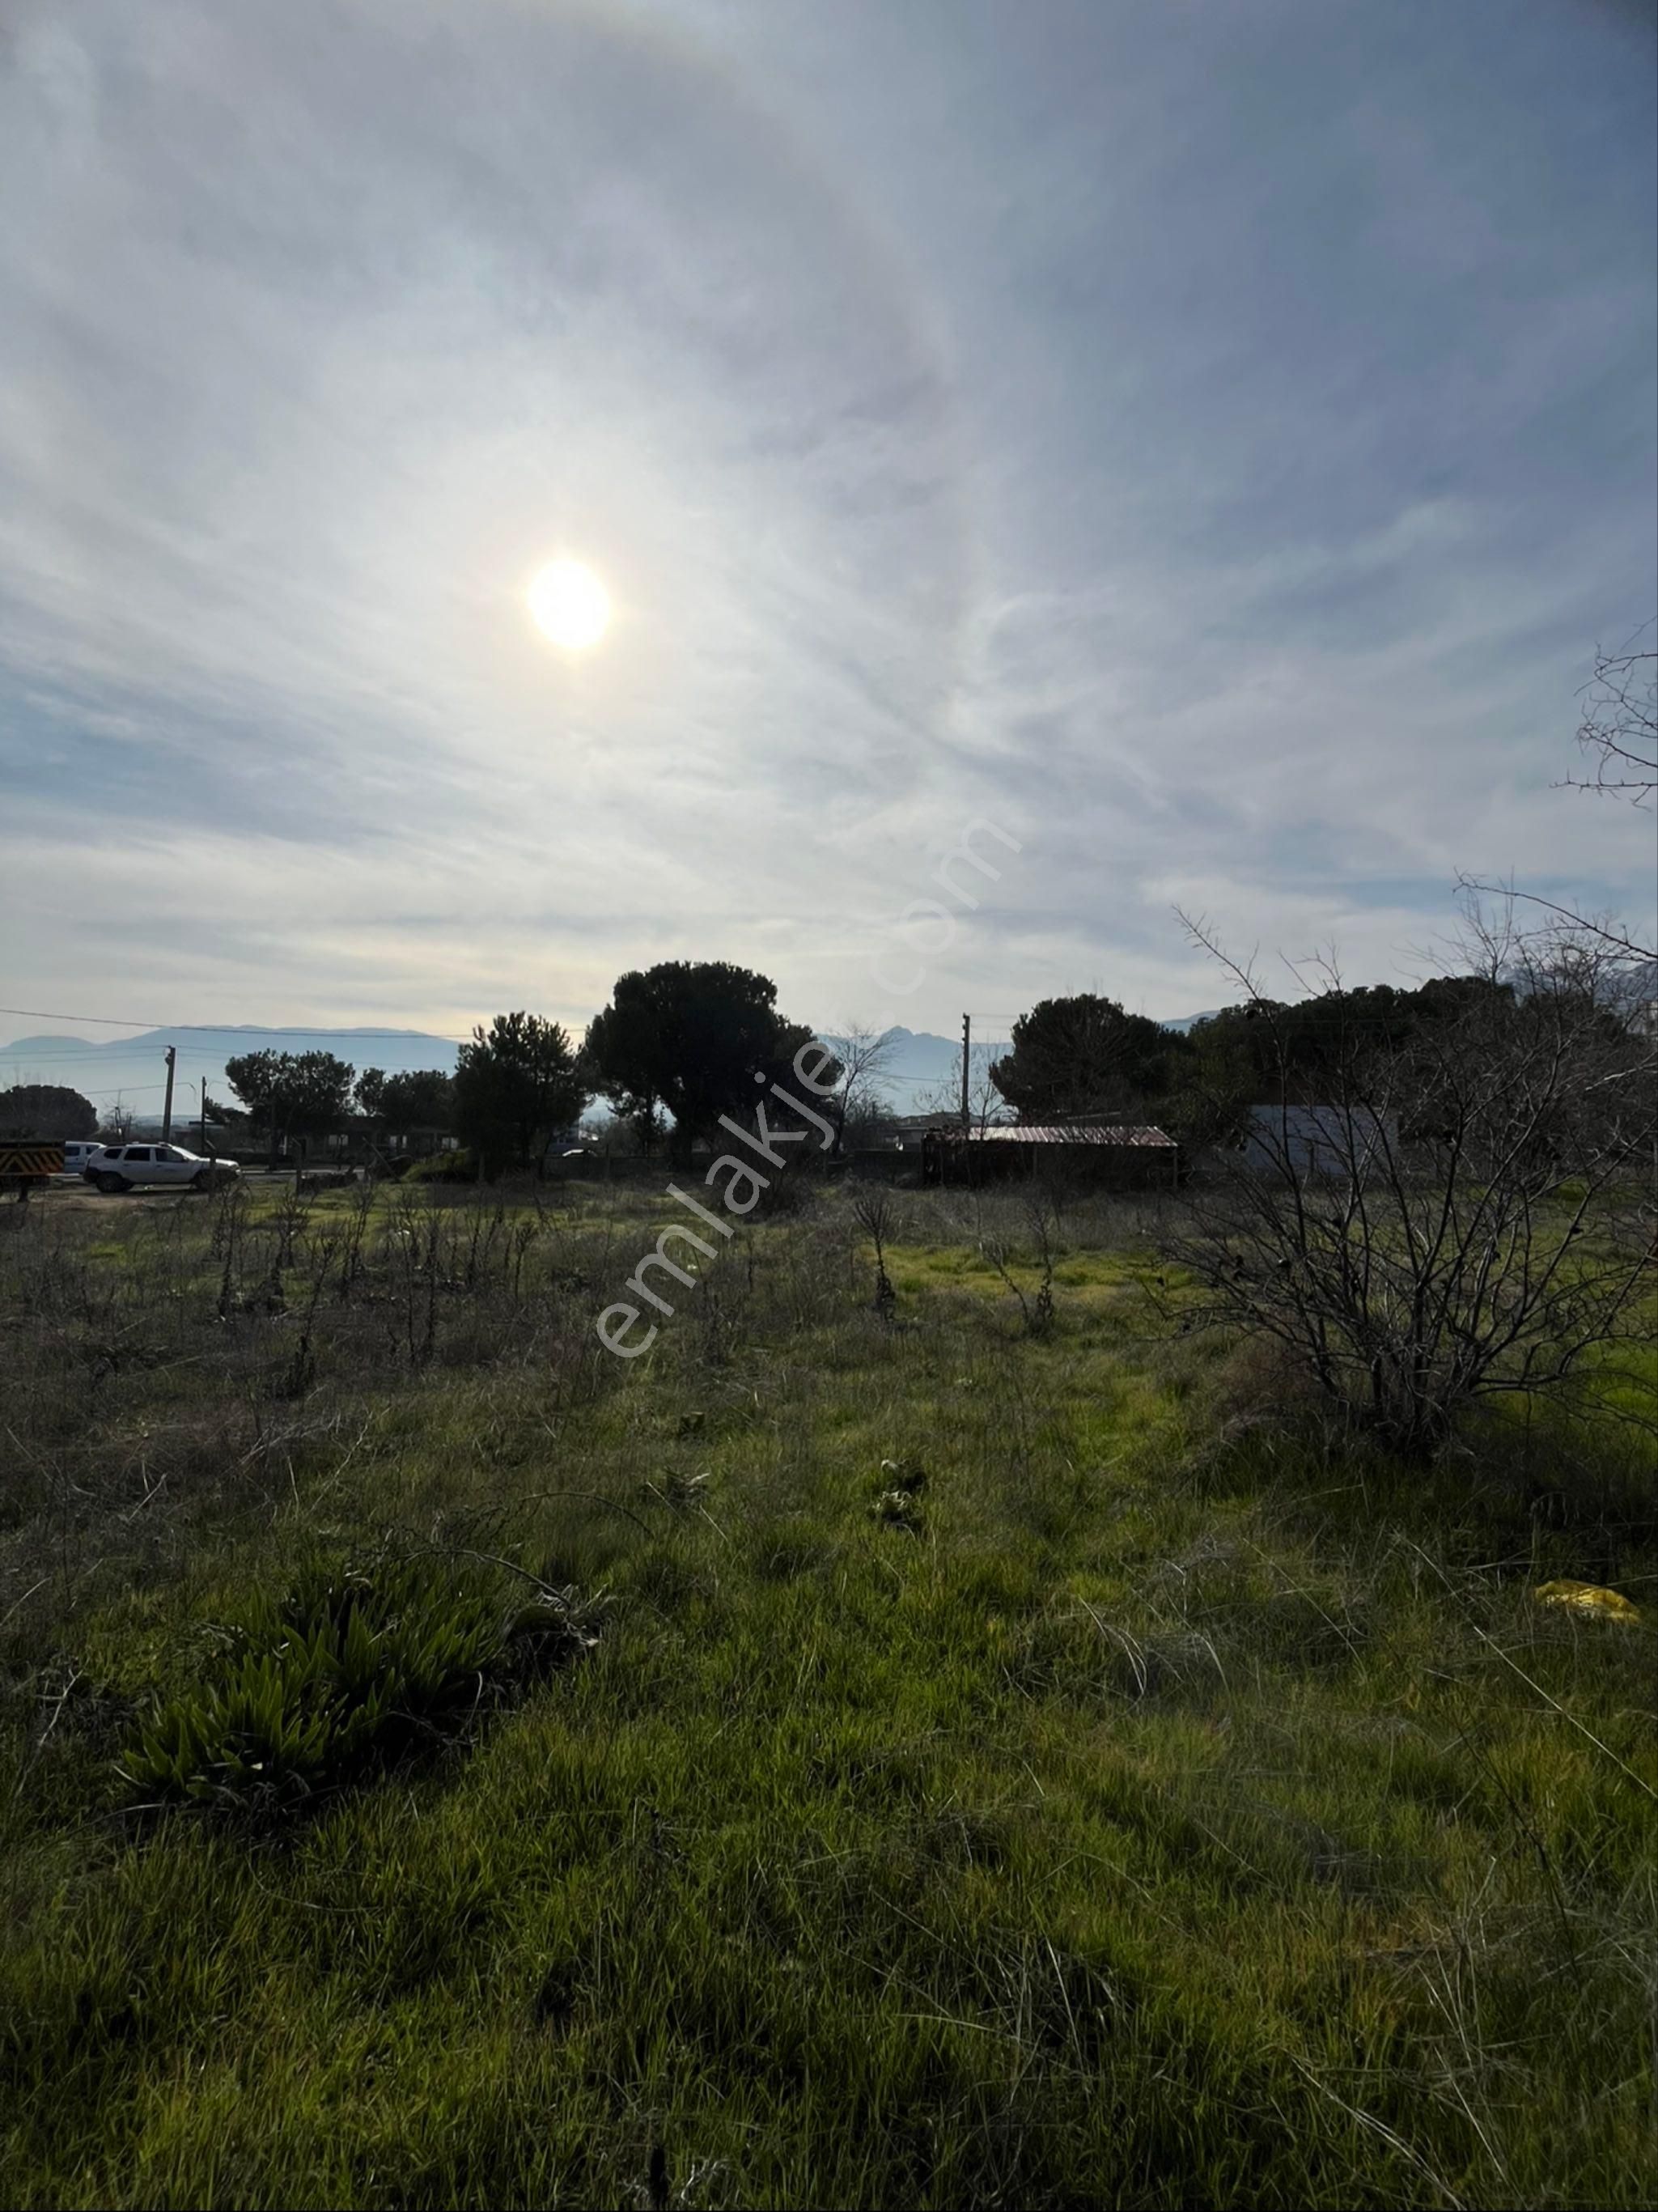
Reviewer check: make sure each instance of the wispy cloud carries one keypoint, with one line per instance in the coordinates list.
(1210, 451)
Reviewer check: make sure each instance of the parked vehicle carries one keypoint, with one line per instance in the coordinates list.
(78, 1152)
(142, 1167)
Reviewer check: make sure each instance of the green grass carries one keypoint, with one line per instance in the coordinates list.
(1193, 1808)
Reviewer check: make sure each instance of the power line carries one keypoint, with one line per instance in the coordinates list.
(213, 1029)
(95, 1057)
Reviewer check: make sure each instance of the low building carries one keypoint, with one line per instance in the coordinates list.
(1111, 1155)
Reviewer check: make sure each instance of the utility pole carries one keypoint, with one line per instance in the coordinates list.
(166, 1109)
(967, 1044)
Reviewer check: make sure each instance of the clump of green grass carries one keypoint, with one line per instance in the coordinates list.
(897, 1501)
(353, 1665)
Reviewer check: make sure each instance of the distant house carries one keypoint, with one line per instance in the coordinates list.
(1316, 1140)
(1113, 1155)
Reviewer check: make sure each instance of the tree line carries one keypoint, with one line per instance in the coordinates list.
(678, 1045)
(683, 1043)
(1085, 1058)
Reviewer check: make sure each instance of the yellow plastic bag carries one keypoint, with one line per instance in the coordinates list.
(1588, 1597)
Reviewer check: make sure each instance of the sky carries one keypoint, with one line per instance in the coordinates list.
(1205, 443)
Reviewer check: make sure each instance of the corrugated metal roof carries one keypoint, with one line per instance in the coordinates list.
(1079, 1133)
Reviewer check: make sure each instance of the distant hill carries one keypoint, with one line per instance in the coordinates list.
(922, 1065)
(133, 1066)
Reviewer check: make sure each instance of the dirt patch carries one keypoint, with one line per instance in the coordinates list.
(76, 1195)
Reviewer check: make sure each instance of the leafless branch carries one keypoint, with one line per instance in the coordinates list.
(1465, 1215)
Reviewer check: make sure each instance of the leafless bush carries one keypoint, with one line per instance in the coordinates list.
(877, 1216)
(1447, 1227)
(1040, 1223)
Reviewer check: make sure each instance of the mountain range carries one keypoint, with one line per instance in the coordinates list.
(134, 1068)
(921, 1066)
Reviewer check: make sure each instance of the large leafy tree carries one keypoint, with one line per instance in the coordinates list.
(370, 1093)
(1276, 1055)
(45, 1109)
(691, 1036)
(297, 1093)
(1082, 1056)
(516, 1083)
(422, 1099)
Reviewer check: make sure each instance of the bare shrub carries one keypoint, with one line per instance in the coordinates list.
(1450, 1223)
(877, 1216)
(1041, 1222)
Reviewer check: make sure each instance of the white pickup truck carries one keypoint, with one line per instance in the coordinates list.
(133, 1167)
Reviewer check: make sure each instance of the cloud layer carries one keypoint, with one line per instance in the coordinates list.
(1208, 445)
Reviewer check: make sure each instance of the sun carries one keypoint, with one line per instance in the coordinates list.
(569, 604)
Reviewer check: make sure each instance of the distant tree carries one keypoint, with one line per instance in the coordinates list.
(1214, 1078)
(641, 1132)
(294, 1094)
(1269, 1053)
(320, 1094)
(865, 1121)
(986, 1109)
(859, 1103)
(516, 1085)
(370, 1093)
(210, 1115)
(422, 1099)
(691, 1036)
(1082, 1056)
(256, 1078)
(623, 1051)
(47, 1109)
(116, 1126)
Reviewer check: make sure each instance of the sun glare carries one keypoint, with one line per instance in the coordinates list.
(570, 605)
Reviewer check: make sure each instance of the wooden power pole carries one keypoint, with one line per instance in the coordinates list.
(967, 1044)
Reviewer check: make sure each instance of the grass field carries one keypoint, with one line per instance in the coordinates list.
(1135, 1794)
